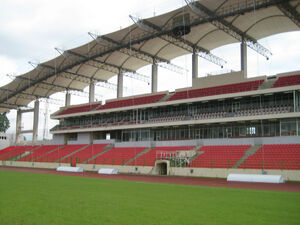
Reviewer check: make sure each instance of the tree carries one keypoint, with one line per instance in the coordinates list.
(4, 122)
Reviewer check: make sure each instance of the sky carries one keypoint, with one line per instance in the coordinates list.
(31, 29)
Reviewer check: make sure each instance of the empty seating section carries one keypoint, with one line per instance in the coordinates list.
(131, 102)
(117, 156)
(224, 89)
(38, 152)
(148, 159)
(287, 81)
(170, 118)
(16, 152)
(6, 150)
(79, 109)
(274, 156)
(219, 156)
(264, 110)
(86, 153)
(59, 153)
(209, 115)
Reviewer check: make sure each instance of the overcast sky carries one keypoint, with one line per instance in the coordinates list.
(30, 29)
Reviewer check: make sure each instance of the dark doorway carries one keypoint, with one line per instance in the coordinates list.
(162, 168)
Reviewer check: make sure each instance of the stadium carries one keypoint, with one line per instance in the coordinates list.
(229, 123)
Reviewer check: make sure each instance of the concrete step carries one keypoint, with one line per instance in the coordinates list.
(167, 96)
(138, 155)
(267, 84)
(197, 148)
(66, 156)
(107, 148)
(250, 151)
(24, 154)
(49, 152)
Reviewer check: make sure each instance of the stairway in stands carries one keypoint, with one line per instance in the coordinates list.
(138, 155)
(63, 159)
(251, 151)
(107, 148)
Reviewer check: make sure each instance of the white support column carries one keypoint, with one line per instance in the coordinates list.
(68, 99)
(92, 92)
(18, 125)
(120, 85)
(35, 120)
(194, 67)
(244, 58)
(154, 78)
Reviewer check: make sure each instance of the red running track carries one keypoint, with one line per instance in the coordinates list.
(200, 181)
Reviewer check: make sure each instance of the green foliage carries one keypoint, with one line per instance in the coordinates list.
(4, 122)
(56, 199)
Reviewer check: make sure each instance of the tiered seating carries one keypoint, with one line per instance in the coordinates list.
(275, 156)
(148, 159)
(170, 118)
(264, 110)
(79, 109)
(287, 81)
(220, 156)
(37, 153)
(86, 153)
(117, 156)
(59, 153)
(8, 149)
(132, 101)
(209, 115)
(224, 89)
(18, 150)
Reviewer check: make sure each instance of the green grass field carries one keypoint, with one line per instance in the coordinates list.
(30, 198)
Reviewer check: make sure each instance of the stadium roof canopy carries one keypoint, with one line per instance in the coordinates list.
(206, 24)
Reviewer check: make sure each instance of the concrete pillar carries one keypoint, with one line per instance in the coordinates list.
(35, 120)
(68, 99)
(244, 58)
(18, 125)
(154, 78)
(92, 92)
(194, 67)
(120, 86)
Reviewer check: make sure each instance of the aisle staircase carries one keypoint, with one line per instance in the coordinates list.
(251, 151)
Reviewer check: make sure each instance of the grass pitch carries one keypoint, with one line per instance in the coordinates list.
(30, 198)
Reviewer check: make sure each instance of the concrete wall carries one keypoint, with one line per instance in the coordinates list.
(58, 139)
(221, 141)
(82, 138)
(5, 140)
(111, 141)
(291, 175)
(223, 79)
(133, 144)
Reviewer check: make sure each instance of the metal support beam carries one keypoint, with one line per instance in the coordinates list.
(182, 43)
(290, 12)
(114, 69)
(147, 57)
(244, 59)
(43, 83)
(154, 78)
(120, 85)
(224, 13)
(203, 12)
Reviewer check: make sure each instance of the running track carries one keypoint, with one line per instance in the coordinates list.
(212, 182)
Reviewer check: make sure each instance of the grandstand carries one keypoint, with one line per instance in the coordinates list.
(223, 123)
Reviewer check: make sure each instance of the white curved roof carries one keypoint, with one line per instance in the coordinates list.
(213, 23)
